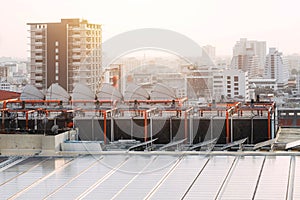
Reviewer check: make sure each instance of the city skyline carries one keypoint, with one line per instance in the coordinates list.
(218, 23)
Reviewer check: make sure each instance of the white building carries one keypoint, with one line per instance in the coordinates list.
(210, 51)
(263, 83)
(298, 83)
(249, 55)
(67, 52)
(5, 86)
(276, 68)
(231, 83)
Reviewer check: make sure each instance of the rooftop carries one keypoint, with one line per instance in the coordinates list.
(150, 175)
(4, 95)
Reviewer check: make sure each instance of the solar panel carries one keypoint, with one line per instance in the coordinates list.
(263, 144)
(238, 142)
(292, 144)
(141, 144)
(172, 144)
(205, 143)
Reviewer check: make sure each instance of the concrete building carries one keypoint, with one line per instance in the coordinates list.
(66, 53)
(5, 86)
(276, 68)
(264, 83)
(294, 62)
(298, 83)
(249, 55)
(231, 83)
(210, 50)
(3, 73)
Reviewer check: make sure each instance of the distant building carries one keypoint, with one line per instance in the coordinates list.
(66, 53)
(276, 68)
(231, 83)
(249, 55)
(298, 83)
(294, 62)
(210, 51)
(4, 73)
(5, 86)
(263, 83)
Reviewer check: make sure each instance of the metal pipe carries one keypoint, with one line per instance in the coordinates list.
(186, 124)
(3, 119)
(269, 123)
(145, 126)
(231, 129)
(227, 127)
(104, 128)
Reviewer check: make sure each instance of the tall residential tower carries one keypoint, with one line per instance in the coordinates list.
(249, 56)
(276, 67)
(66, 53)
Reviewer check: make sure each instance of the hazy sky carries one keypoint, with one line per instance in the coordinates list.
(216, 22)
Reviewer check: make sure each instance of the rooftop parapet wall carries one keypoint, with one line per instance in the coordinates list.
(30, 144)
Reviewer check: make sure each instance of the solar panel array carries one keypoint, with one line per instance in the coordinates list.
(153, 176)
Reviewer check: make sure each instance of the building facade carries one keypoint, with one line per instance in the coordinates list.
(298, 83)
(66, 53)
(249, 56)
(231, 83)
(210, 51)
(276, 68)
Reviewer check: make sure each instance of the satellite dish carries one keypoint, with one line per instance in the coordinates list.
(31, 93)
(108, 92)
(54, 129)
(82, 92)
(136, 92)
(56, 92)
(161, 92)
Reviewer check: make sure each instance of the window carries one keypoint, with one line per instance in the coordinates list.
(236, 93)
(56, 43)
(56, 57)
(236, 84)
(228, 77)
(236, 78)
(56, 77)
(228, 86)
(291, 114)
(56, 67)
(56, 50)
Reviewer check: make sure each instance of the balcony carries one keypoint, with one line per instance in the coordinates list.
(76, 35)
(76, 56)
(38, 43)
(37, 50)
(38, 78)
(76, 63)
(38, 57)
(38, 64)
(76, 50)
(38, 36)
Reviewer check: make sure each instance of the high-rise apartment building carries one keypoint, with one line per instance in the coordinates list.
(298, 83)
(210, 51)
(277, 68)
(67, 52)
(249, 55)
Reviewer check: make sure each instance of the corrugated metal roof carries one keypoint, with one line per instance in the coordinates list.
(5, 95)
(153, 176)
